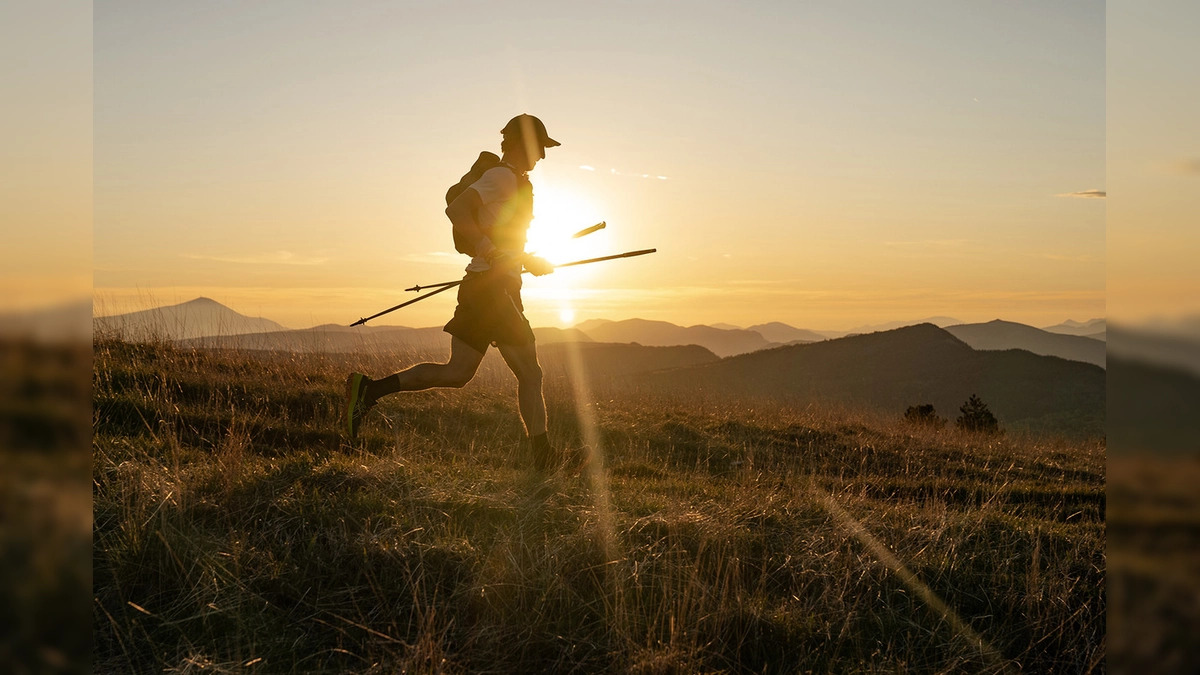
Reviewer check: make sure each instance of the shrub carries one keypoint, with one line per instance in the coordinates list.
(976, 417)
(924, 415)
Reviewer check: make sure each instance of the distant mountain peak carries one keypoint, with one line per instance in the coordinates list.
(200, 317)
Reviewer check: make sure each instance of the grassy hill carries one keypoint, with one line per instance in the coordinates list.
(237, 531)
(907, 366)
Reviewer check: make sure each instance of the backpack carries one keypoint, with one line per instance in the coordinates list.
(487, 160)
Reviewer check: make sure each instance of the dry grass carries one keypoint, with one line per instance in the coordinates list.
(45, 507)
(1154, 551)
(237, 531)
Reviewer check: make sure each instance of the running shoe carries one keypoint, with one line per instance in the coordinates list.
(577, 460)
(356, 402)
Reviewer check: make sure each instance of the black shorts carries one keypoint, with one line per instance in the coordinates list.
(490, 312)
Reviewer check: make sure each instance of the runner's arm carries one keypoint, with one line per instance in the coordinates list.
(462, 212)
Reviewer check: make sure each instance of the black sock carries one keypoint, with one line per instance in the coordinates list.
(541, 443)
(384, 386)
(543, 454)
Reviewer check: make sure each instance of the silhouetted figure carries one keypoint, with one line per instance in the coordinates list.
(490, 219)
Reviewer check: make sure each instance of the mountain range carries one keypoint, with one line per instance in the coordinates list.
(1030, 378)
(997, 335)
(1093, 328)
(206, 323)
(720, 341)
(894, 369)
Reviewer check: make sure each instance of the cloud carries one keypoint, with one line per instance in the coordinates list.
(276, 258)
(929, 242)
(1084, 194)
(614, 172)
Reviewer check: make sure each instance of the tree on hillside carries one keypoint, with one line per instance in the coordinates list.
(976, 417)
(924, 415)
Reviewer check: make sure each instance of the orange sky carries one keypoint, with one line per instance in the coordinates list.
(826, 167)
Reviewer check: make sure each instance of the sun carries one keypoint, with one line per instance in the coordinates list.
(559, 213)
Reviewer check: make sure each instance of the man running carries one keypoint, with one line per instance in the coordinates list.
(491, 217)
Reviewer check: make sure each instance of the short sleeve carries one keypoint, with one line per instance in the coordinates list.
(496, 185)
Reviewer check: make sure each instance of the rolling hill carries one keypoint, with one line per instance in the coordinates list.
(195, 318)
(999, 334)
(907, 366)
(783, 333)
(661, 334)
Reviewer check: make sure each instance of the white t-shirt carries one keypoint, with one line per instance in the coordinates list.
(496, 187)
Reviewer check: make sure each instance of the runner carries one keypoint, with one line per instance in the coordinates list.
(490, 221)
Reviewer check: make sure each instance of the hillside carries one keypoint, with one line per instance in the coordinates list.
(1008, 335)
(194, 318)
(661, 333)
(891, 370)
(237, 530)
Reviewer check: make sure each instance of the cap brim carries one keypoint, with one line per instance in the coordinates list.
(550, 143)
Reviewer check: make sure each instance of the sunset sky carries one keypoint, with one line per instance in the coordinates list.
(823, 164)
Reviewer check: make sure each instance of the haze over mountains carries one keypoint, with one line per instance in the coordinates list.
(720, 341)
(1095, 328)
(206, 323)
(1032, 379)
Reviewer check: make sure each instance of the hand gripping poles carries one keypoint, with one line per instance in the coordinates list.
(447, 285)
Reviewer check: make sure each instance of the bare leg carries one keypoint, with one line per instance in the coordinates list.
(524, 364)
(464, 361)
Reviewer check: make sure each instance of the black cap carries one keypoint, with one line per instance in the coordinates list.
(518, 126)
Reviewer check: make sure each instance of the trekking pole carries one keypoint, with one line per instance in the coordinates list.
(588, 230)
(447, 285)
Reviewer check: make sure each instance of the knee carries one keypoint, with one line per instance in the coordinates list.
(460, 377)
(531, 376)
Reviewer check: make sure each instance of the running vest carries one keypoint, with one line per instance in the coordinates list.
(508, 232)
